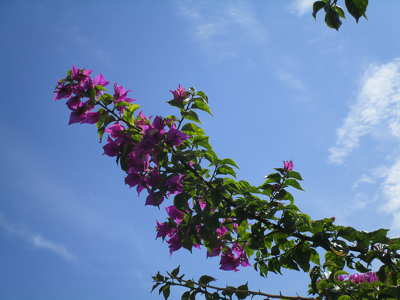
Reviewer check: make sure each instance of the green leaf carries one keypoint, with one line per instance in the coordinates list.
(166, 291)
(349, 233)
(202, 96)
(229, 290)
(155, 286)
(243, 291)
(357, 8)
(340, 272)
(344, 297)
(202, 141)
(315, 257)
(275, 250)
(201, 105)
(228, 161)
(192, 129)
(191, 115)
(106, 99)
(340, 11)
(122, 104)
(226, 170)
(332, 19)
(189, 284)
(129, 111)
(211, 156)
(205, 279)
(322, 284)
(317, 6)
(185, 295)
(295, 175)
(159, 277)
(275, 177)
(175, 271)
(176, 103)
(294, 183)
(378, 236)
(361, 268)
(181, 201)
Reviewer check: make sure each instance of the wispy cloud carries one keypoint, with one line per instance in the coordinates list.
(217, 27)
(377, 103)
(291, 80)
(34, 239)
(376, 113)
(301, 7)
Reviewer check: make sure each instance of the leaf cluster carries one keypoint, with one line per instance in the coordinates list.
(334, 13)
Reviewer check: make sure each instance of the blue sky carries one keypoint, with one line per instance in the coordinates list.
(281, 86)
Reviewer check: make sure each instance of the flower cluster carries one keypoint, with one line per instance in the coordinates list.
(76, 87)
(232, 256)
(138, 142)
(142, 167)
(140, 157)
(359, 277)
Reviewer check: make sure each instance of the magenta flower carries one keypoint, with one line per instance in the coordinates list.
(179, 94)
(133, 179)
(229, 262)
(121, 94)
(241, 254)
(232, 258)
(175, 214)
(115, 130)
(202, 204)
(76, 117)
(91, 118)
(138, 161)
(175, 137)
(142, 122)
(359, 277)
(163, 230)
(154, 199)
(174, 243)
(154, 178)
(99, 80)
(288, 165)
(221, 231)
(214, 252)
(235, 226)
(175, 184)
(80, 74)
(74, 103)
(111, 148)
(342, 277)
(62, 91)
(363, 277)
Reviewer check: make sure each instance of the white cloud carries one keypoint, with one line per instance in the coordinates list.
(377, 103)
(291, 80)
(391, 188)
(301, 7)
(376, 113)
(221, 28)
(363, 179)
(36, 240)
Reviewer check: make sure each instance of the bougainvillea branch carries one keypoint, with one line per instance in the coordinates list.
(170, 158)
(212, 292)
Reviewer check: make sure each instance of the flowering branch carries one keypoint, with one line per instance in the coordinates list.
(232, 219)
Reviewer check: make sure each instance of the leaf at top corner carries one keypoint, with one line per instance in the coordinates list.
(357, 8)
(317, 6)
